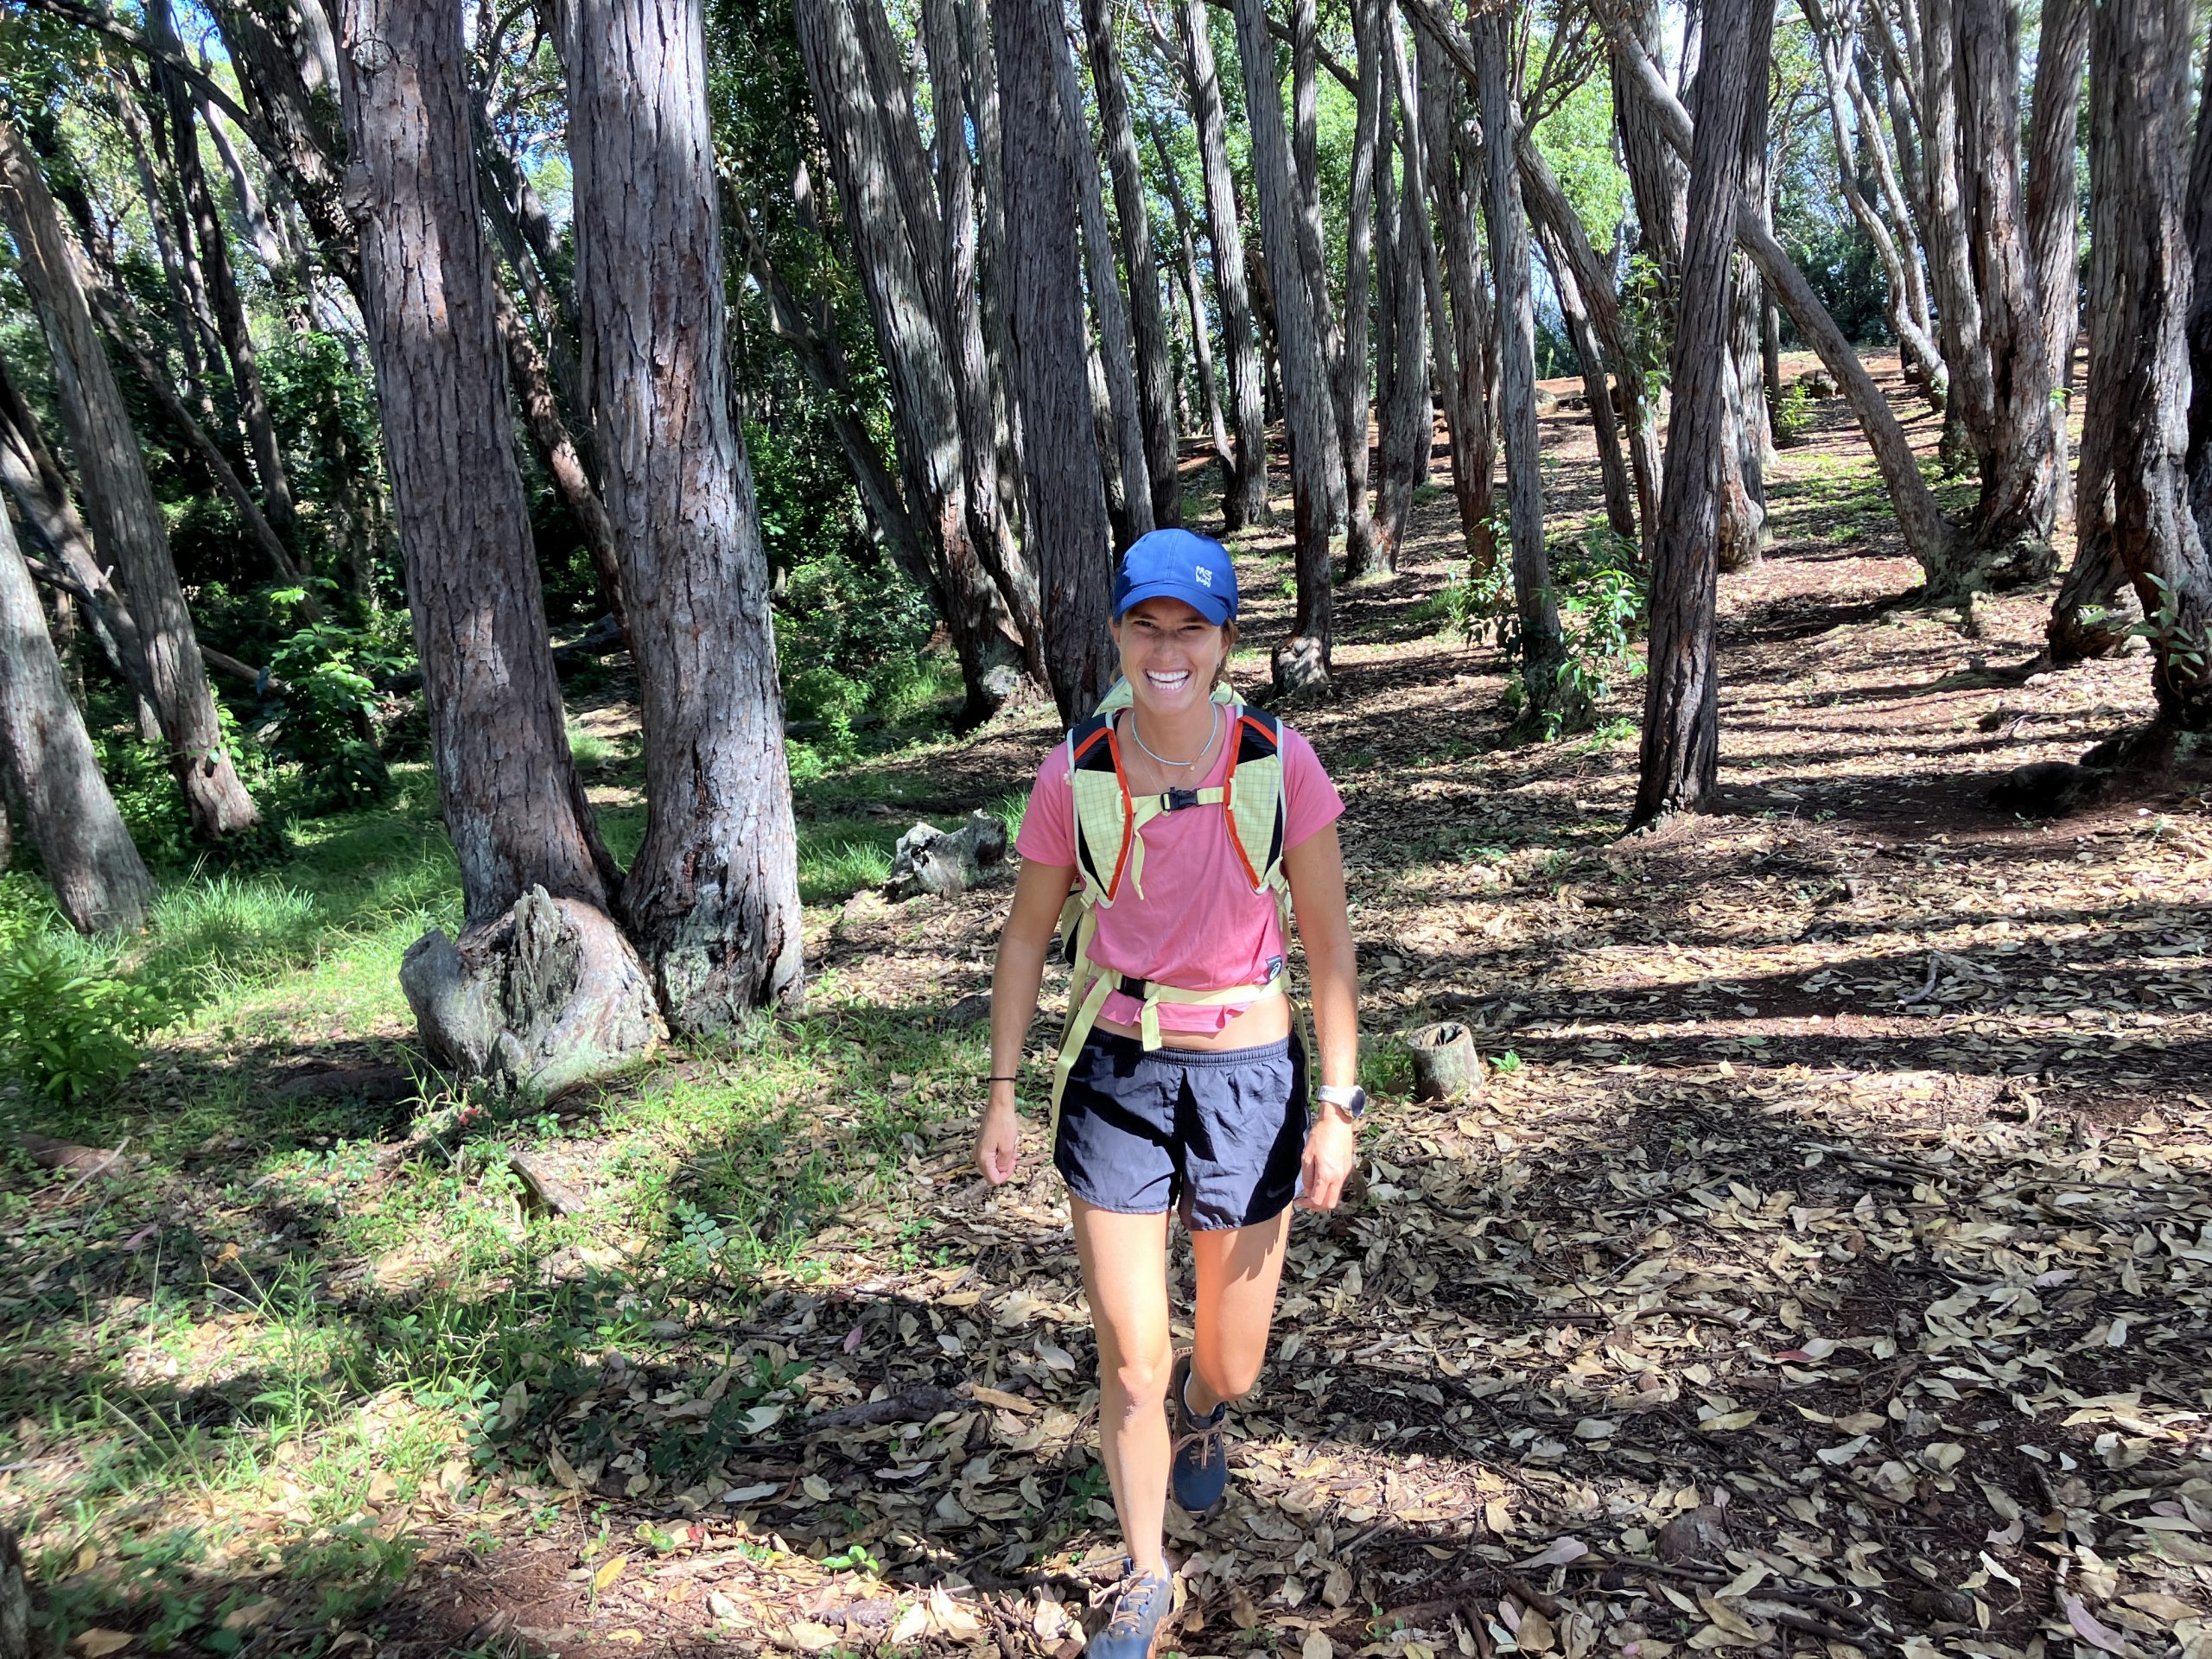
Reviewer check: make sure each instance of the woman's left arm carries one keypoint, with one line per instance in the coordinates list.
(1316, 868)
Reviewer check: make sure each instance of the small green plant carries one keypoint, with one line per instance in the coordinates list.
(1793, 415)
(2169, 632)
(71, 1026)
(324, 678)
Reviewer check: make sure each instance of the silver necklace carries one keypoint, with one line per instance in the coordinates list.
(1180, 766)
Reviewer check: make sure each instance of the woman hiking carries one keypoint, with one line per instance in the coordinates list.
(1172, 827)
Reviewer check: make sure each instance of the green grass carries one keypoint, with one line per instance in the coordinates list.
(295, 1317)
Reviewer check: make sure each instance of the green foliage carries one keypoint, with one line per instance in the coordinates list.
(1648, 312)
(1577, 139)
(1840, 261)
(323, 401)
(1793, 415)
(323, 722)
(72, 1023)
(1604, 606)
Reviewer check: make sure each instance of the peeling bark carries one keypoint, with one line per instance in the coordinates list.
(2136, 435)
(1065, 491)
(1302, 659)
(512, 805)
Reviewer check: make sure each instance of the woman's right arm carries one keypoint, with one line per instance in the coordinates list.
(1039, 892)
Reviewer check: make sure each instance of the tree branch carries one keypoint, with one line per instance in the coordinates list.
(91, 17)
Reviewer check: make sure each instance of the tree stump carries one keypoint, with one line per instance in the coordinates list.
(549, 996)
(1445, 1065)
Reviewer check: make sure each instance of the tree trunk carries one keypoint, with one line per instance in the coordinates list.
(1900, 267)
(2019, 454)
(1124, 457)
(2198, 221)
(1406, 426)
(712, 897)
(1462, 302)
(1313, 234)
(1194, 301)
(107, 297)
(1929, 536)
(223, 297)
(1542, 649)
(1155, 383)
(1681, 722)
(557, 450)
(1620, 501)
(1302, 659)
(813, 341)
(2054, 253)
(1366, 550)
(127, 524)
(32, 479)
(1245, 505)
(2136, 421)
(1743, 500)
(990, 524)
(896, 241)
(1901, 199)
(1063, 487)
(979, 65)
(53, 776)
(511, 801)
(181, 287)
(1657, 176)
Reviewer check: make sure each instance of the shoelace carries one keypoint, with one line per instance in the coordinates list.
(1131, 1596)
(1208, 1444)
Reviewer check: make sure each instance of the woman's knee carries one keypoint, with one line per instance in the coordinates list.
(1142, 1378)
(1232, 1373)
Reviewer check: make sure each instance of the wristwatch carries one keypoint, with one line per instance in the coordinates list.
(1351, 1101)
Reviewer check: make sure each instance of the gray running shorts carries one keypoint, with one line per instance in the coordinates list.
(1219, 1133)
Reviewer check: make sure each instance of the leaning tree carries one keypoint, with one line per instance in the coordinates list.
(128, 528)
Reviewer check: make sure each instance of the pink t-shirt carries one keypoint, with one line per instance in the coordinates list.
(1198, 924)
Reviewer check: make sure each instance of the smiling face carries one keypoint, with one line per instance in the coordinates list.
(1170, 655)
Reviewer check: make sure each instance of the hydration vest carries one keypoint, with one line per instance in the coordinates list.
(1110, 857)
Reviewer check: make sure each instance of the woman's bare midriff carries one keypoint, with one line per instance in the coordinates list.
(1267, 1021)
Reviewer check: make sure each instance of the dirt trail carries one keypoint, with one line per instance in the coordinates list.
(1829, 1267)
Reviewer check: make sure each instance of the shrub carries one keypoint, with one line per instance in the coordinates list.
(323, 721)
(1793, 415)
(1603, 606)
(70, 1022)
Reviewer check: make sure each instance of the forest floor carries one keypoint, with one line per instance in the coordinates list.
(1825, 1267)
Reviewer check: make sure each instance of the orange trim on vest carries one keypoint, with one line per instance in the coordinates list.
(1128, 814)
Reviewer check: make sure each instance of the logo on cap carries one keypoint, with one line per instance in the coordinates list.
(1204, 575)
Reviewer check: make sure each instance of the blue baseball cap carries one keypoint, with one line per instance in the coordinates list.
(1176, 564)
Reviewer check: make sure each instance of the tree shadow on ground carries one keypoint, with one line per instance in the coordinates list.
(1491, 1353)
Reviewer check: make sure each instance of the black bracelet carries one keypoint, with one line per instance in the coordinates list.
(1002, 1080)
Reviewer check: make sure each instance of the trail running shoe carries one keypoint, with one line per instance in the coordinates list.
(1141, 1604)
(1201, 1473)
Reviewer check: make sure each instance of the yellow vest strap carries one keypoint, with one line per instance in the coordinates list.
(1143, 809)
(1088, 997)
